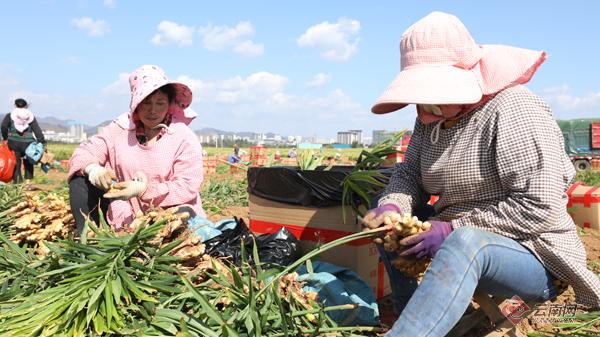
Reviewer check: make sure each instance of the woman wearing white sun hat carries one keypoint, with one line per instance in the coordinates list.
(494, 154)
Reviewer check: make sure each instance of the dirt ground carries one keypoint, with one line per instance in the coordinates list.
(237, 211)
(591, 239)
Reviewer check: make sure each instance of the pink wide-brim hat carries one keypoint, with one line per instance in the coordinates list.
(440, 63)
(147, 78)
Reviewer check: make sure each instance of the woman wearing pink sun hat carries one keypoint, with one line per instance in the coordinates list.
(150, 151)
(494, 154)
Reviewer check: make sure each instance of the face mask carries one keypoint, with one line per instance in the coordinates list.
(432, 109)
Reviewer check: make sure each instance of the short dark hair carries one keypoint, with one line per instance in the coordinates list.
(169, 90)
(20, 103)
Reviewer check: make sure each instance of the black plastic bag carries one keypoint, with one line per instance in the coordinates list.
(228, 243)
(281, 248)
(291, 185)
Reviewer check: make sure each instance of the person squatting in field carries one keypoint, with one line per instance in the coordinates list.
(493, 152)
(20, 128)
(145, 157)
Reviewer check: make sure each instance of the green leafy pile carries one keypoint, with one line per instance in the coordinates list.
(364, 180)
(128, 284)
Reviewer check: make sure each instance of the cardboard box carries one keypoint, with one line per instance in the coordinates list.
(584, 205)
(393, 159)
(209, 165)
(312, 225)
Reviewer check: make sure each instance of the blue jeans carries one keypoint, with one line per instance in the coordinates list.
(470, 258)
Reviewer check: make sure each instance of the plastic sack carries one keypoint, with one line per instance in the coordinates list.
(337, 285)
(34, 152)
(281, 248)
(291, 185)
(207, 229)
(8, 160)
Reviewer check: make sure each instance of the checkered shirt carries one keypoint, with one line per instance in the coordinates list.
(501, 168)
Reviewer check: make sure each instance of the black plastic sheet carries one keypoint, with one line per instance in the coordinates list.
(279, 248)
(315, 188)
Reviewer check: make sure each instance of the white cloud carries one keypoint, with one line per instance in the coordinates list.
(249, 48)
(258, 102)
(201, 89)
(335, 41)
(261, 86)
(171, 32)
(91, 26)
(319, 80)
(219, 37)
(109, 3)
(118, 87)
(216, 38)
(564, 102)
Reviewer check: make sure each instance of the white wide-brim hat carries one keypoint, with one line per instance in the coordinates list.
(442, 64)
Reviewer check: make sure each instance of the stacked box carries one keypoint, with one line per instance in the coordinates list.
(258, 155)
(312, 225)
(584, 205)
(394, 158)
(210, 165)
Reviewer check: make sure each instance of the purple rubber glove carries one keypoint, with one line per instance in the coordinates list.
(374, 217)
(426, 244)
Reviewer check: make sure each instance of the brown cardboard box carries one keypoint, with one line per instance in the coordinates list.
(392, 159)
(395, 158)
(584, 205)
(312, 225)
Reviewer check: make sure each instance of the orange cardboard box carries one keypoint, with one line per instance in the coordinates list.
(584, 205)
(312, 225)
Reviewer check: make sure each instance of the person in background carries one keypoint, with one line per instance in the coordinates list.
(234, 157)
(236, 150)
(492, 150)
(146, 157)
(292, 153)
(277, 155)
(20, 128)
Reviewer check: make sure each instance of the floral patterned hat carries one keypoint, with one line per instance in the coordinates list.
(147, 78)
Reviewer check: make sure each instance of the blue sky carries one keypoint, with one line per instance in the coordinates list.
(298, 68)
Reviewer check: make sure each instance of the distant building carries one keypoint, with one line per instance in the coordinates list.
(75, 135)
(78, 131)
(319, 140)
(294, 140)
(258, 137)
(382, 135)
(208, 139)
(358, 134)
(349, 137)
